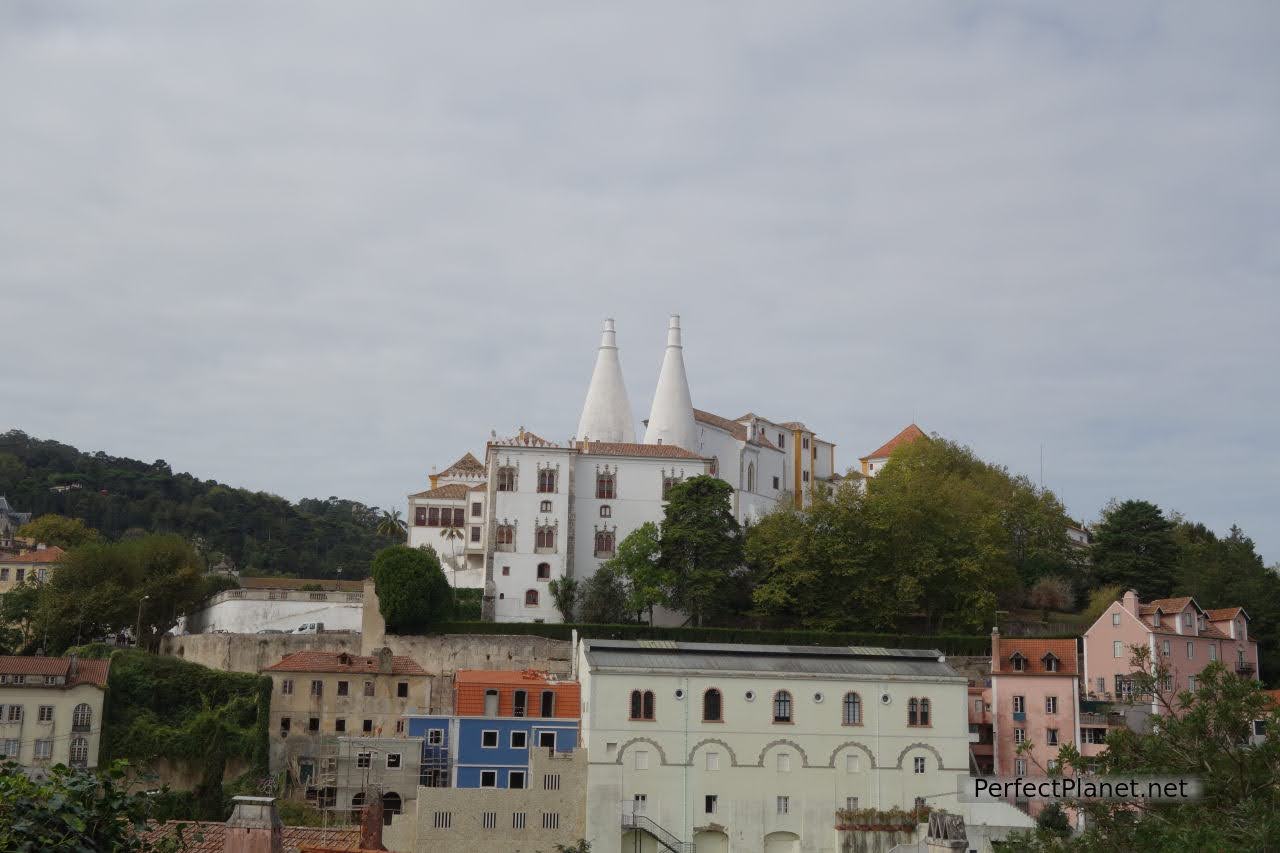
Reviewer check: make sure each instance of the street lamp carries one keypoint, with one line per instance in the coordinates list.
(137, 638)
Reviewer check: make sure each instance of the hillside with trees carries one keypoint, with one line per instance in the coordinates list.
(259, 533)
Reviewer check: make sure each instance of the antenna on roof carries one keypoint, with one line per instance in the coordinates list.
(1042, 466)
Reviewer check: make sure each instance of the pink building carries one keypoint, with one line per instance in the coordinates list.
(1177, 632)
(1035, 694)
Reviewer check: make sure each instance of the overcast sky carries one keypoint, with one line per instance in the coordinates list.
(316, 249)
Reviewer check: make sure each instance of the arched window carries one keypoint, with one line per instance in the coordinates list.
(507, 478)
(544, 537)
(852, 709)
(715, 466)
(782, 707)
(390, 806)
(547, 480)
(751, 476)
(669, 483)
(712, 707)
(606, 511)
(924, 712)
(913, 712)
(604, 543)
(79, 752)
(606, 487)
(530, 598)
(544, 571)
(82, 718)
(642, 705)
(519, 702)
(505, 538)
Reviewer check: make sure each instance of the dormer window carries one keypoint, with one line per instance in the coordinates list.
(1019, 662)
(1155, 619)
(1051, 663)
(1187, 619)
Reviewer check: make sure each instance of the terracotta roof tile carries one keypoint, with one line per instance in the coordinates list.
(213, 836)
(468, 464)
(1034, 651)
(449, 491)
(46, 556)
(1222, 614)
(737, 430)
(504, 676)
(618, 448)
(479, 487)
(338, 662)
(88, 671)
(908, 435)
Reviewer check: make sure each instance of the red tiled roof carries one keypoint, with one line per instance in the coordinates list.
(479, 487)
(1166, 605)
(1034, 651)
(468, 464)
(338, 662)
(213, 836)
(449, 491)
(52, 554)
(910, 434)
(619, 448)
(503, 676)
(325, 585)
(88, 671)
(737, 430)
(1222, 614)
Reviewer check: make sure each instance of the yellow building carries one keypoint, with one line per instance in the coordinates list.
(17, 569)
(51, 710)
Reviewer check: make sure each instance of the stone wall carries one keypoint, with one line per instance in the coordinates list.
(252, 652)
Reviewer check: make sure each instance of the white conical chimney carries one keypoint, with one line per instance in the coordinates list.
(671, 418)
(606, 414)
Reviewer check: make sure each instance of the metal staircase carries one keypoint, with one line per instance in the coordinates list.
(640, 823)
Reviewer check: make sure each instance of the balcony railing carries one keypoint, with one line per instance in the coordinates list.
(1245, 668)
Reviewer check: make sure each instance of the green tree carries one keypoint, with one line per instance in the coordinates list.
(98, 590)
(413, 593)
(564, 592)
(603, 598)
(700, 545)
(75, 810)
(392, 526)
(1099, 600)
(59, 530)
(1054, 821)
(636, 564)
(1134, 547)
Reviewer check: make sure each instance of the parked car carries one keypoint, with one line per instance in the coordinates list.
(310, 628)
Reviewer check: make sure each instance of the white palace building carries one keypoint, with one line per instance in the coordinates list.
(534, 510)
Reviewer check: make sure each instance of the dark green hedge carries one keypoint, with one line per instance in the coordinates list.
(948, 644)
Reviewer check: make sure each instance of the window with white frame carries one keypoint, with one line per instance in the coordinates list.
(1115, 618)
(1019, 704)
(1020, 767)
(1019, 735)
(489, 739)
(1117, 649)
(918, 764)
(784, 805)
(393, 760)
(1051, 704)
(364, 759)
(46, 714)
(642, 759)
(1051, 737)
(44, 750)
(713, 760)
(435, 737)
(851, 803)
(784, 762)
(853, 764)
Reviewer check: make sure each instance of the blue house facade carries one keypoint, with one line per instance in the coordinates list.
(485, 752)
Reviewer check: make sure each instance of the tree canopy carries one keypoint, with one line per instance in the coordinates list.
(413, 593)
(52, 529)
(700, 546)
(258, 532)
(1134, 547)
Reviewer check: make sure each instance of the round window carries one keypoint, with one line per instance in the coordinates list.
(817, 697)
(679, 694)
(750, 696)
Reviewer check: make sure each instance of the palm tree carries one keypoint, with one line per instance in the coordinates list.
(452, 537)
(392, 525)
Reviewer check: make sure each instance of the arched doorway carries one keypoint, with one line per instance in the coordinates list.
(711, 841)
(390, 806)
(782, 842)
(641, 842)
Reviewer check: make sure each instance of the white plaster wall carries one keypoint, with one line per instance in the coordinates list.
(749, 744)
(248, 616)
(523, 507)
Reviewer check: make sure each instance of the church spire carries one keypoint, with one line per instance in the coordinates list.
(606, 414)
(671, 418)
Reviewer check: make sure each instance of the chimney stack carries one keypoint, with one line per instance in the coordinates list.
(1131, 601)
(254, 827)
(385, 663)
(995, 649)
